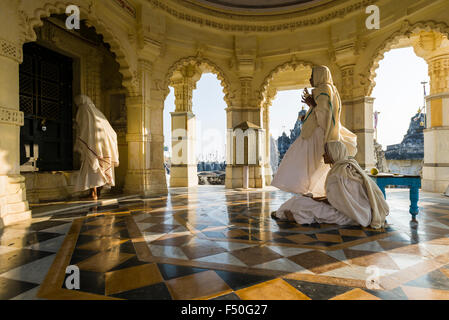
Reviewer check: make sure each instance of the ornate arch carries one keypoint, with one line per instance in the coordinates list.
(406, 30)
(289, 65)
(28, 25)
(208, 64)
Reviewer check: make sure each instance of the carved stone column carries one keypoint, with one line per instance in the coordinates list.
(183, 172)
(248, 111)
(266, 126)
(13, 204)
(138, 179)
(359, 119)
(434, 48)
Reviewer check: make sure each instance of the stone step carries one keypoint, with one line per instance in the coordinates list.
(17, 207)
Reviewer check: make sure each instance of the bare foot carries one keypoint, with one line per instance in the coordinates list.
(94, 194)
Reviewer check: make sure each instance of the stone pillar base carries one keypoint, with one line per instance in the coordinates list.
(268, 175)
(437, 186)
(13, 205)
(358, 118)
(234, 176)
(183, 176)
(146, 182)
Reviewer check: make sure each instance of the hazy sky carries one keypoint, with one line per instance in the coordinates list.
(398, 94)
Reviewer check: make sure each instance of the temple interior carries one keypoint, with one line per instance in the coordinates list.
(158, 234)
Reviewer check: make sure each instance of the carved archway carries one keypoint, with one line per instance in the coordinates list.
(29, 23)
(203, 63)
(293, 64)
(406, 30)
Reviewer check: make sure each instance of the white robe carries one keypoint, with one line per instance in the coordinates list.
(305, 210)
(302, 169)
(97, 143)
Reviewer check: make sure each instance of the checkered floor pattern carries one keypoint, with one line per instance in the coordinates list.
(223, 245)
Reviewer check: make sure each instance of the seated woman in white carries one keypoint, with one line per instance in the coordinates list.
(353, 198)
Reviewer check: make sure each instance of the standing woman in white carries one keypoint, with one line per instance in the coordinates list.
(97, 143)
(302, 169)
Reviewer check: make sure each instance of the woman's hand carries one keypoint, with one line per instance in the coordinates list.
(307, 98)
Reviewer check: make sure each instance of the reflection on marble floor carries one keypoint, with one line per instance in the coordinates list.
(213, 243)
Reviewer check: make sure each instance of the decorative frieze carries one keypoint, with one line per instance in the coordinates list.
(11, 117)
(11, 50)
(261, 26)
(125, 5)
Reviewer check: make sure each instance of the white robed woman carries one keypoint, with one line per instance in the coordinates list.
(353, 198)
(97, 143)
(302, 169)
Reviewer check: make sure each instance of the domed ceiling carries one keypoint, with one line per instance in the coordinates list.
(257, 5)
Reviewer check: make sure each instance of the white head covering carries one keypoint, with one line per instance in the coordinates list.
(96, 139)
(348, 167)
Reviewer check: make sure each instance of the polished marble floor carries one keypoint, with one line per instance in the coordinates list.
(212, 243)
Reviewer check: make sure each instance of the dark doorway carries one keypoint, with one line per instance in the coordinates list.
(46, 101)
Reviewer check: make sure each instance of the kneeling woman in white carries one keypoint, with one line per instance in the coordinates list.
(353, 198)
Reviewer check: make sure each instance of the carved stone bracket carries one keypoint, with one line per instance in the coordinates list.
(11, 50)
(11, 117)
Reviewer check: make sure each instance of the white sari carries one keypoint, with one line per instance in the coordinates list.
(302, 169)
(354, 198)
(97, 143)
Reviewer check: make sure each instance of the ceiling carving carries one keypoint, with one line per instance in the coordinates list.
(208, 13)
(256, 5)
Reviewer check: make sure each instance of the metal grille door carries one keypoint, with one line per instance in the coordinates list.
(46, 101)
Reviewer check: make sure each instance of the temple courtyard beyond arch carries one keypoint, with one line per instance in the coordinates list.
(161, 237)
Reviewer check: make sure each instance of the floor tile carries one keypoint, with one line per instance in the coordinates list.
(33, 272)
(287, 251)
(17, 258)
(79, 255)
(91, 282)
(167, 252)
(416, 293)
(317, 262)
(373, 246)
(366, 259)
(231, 246)
(404, 261)
(196, 286)
(276, 289)
(61, 229)
(131, 278)
(318, 291)
(226, 258)
(172, 240)
(161, 228)
(199, 251)
(28, 295)
(51, 245)
(395, 294)
(282, 264)
(28, 239)
(337, 254)
(10, 288)
(256, 255)
(433, 280)
(356, 294)
(156, 291)
(104, 261)
(230, 296)
(170, 271)
(436, 250)
(238, 281)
